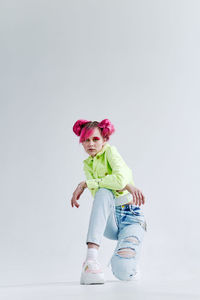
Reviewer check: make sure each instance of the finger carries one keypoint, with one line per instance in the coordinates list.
(136, 200)
(140, 194)
(80, 193)
(73, 198)
(139, 200)
(76, 204)
(73, 203)
(138, 197)
(143, 199)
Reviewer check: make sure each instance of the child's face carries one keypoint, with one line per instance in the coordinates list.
(94, 142)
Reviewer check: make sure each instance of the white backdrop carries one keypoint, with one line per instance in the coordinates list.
(134, 62)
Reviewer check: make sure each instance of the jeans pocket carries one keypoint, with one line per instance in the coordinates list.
(138, 215)
(135, 210)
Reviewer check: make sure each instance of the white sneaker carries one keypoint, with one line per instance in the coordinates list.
(92, 272)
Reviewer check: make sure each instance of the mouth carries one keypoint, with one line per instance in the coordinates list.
(91, 149)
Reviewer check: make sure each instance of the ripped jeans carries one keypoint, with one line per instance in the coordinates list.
(124, 223)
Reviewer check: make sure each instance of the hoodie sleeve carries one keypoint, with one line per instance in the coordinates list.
(121, 173)
(89, 176)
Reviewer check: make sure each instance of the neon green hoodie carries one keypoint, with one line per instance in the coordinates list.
(107, 169)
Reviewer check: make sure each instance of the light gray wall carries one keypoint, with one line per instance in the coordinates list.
(134, 62)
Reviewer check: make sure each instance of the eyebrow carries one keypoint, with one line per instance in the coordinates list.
(96, 137)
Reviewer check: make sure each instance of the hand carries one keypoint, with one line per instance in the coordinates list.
(138, 197)
(76, 194)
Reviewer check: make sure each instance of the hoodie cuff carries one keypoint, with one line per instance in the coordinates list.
(93, 183)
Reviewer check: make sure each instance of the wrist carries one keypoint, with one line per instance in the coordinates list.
(84, 184)
(129, 188)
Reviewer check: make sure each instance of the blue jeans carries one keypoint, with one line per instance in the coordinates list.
(126, 224)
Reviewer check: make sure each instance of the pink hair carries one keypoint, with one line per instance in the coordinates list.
(84, 128)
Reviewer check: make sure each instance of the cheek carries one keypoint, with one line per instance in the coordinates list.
(99, 145)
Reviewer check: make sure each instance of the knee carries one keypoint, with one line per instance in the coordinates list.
(103, 192)
(123, 269)
(124, 260)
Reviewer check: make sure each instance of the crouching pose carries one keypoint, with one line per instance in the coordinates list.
(116, 211)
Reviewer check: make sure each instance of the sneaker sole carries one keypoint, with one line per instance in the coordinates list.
(92, 278)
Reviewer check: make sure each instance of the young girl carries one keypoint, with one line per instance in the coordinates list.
(116, 212)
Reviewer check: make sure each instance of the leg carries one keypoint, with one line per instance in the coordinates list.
(92, 245)
(102, 207)
(126, 255)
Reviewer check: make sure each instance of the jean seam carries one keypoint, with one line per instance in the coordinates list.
(113, 207)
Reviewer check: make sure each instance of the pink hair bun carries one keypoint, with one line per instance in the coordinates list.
(78, 126)
(107, 127)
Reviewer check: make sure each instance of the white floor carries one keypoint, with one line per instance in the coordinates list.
(151, 289)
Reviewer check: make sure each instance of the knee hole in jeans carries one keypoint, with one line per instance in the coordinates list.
(133, 239)
(128, 252)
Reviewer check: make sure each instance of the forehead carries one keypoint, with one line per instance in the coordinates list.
(96, 133)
